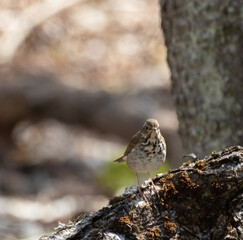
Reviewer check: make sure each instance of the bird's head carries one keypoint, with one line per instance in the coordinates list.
(151, 127)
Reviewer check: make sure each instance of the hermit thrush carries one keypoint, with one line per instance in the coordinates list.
(146, 151)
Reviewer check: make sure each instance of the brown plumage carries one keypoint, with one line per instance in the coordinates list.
(133, 142)
(146, 151)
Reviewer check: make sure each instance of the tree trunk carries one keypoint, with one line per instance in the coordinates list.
(204, 41)
(200, 200)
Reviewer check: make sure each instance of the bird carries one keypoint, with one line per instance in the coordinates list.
(146, 151)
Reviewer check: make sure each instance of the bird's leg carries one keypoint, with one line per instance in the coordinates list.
(140, 191)
(152, 182)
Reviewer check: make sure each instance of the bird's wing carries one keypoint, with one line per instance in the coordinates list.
(133, 142)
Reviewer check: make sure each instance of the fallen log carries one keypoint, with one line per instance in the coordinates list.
(203, 199)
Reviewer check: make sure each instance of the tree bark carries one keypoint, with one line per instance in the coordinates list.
(204, 41)
(202, 199)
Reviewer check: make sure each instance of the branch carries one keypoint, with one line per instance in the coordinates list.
(200, 200)
(38, 97)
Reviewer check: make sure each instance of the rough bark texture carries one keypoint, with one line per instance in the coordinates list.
(204, 41)
(200, 200)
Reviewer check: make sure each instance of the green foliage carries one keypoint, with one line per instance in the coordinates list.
(117, 175)
(165, 167)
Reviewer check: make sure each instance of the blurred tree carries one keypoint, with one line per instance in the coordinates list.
(15, 31)
(204, 42)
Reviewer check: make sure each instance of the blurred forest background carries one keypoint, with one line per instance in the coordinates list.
(77, 80)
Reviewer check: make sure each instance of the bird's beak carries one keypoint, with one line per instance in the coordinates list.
(153, 132)
(155, 129)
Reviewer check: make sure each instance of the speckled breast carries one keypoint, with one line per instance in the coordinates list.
(146, 158)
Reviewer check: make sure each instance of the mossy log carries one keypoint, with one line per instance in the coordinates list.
(202, 199)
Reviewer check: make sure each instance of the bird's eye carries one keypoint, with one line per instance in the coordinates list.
(146, 127)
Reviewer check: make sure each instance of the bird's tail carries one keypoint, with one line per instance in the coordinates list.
(119, 160)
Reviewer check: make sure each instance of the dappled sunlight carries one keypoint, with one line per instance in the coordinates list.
(78, 79)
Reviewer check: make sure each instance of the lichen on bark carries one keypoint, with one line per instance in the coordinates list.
(200, 200)
(203, 39)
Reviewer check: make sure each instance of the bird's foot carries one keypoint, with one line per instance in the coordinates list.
(143, 195)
